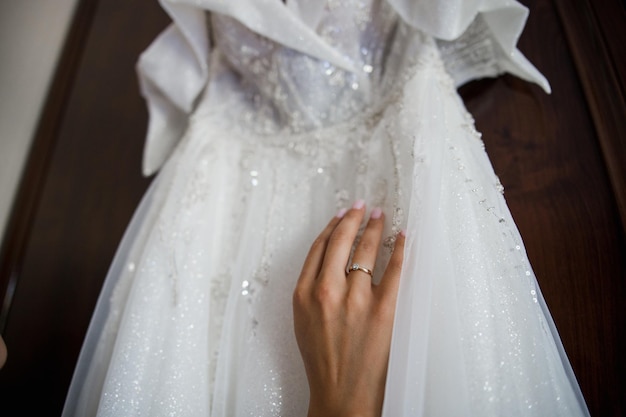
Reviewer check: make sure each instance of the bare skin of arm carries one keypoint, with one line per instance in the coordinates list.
(343, 323)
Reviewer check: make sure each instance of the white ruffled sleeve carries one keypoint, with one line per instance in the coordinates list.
(172, 73)
(477, 38)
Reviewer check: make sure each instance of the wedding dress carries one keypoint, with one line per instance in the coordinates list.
(266, 118)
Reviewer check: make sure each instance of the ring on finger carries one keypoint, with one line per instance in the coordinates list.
(356, 267)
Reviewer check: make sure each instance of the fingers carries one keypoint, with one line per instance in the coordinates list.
(367, 249)
(330, 252)
(313, 263)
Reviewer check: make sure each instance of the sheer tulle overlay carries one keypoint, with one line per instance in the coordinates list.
(265, 119)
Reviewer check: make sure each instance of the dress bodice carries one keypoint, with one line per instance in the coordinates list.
(305, 92)
(312, 63)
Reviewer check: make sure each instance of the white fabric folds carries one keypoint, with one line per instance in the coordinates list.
(294, 111)
(172, 71)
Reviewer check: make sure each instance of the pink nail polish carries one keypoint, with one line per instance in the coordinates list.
(341, 213)
(403, 232)
(358, 204)
(376, 213)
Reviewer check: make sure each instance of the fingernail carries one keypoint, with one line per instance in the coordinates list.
(376, 213)
(358, 204)
(403, 232)
(341, 213)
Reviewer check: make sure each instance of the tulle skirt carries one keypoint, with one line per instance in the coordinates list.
(195, 316)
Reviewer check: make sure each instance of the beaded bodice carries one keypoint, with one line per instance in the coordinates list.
(301, 91)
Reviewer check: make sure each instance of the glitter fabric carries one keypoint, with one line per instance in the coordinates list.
(291, 111)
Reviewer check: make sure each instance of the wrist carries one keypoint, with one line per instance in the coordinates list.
(343, 409)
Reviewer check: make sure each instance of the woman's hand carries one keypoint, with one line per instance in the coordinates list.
(343, 323)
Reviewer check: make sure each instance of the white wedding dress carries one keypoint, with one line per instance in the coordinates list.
(266, 118)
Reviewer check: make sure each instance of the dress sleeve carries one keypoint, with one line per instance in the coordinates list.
(477, 38)
(172, 73)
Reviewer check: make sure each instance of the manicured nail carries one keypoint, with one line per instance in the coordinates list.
(403, 232)
(358, 204)
(376, 213)
(341, 213)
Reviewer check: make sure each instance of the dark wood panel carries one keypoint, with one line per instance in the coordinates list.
(35, 172)
(83, 183)
(596, 37)
(547, 152)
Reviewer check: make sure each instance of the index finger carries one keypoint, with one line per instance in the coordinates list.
(313, 262)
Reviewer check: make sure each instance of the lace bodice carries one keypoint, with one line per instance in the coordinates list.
(306, 92)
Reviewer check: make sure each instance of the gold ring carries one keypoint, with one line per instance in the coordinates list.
(357, 267)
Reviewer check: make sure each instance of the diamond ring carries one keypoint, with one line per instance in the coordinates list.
(357, 267)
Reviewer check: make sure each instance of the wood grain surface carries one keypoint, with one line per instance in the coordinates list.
(83, 182)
